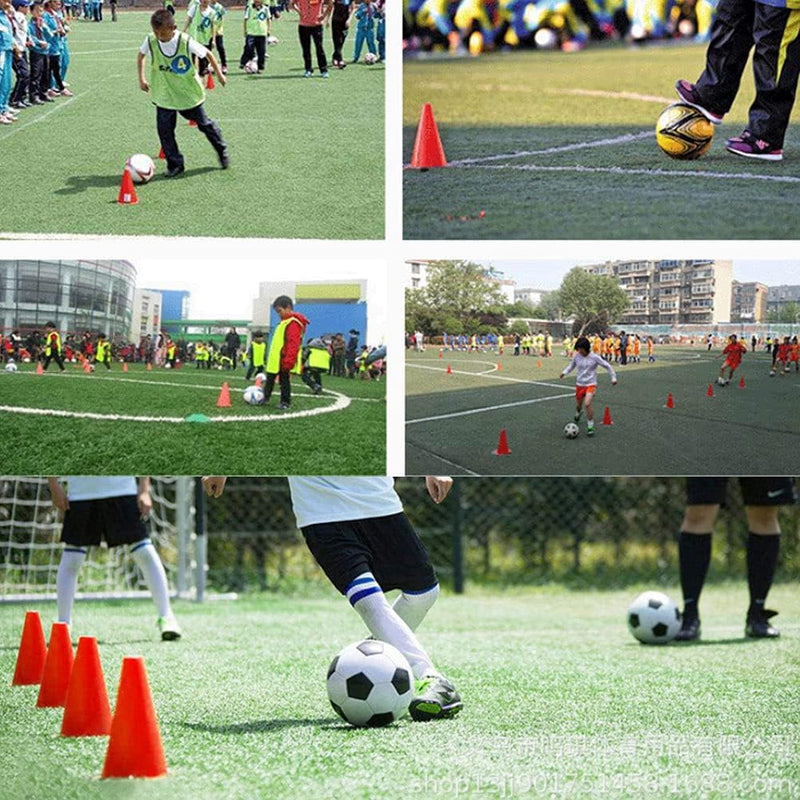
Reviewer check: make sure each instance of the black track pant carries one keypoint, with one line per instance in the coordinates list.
(219, 41)
(739, 26)
(286, 386)
(57, 357)
(254, 45)
(307, 34)
(339, 31)
(22, 72)
(166, 119)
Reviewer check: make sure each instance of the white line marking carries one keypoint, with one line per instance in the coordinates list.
(451, 463)
(46, 114)
(489, 408)
(645, 98)
(489, 375)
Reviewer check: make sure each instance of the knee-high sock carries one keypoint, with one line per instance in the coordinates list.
(412, 607)
(150, 564)
(694, 553)
(67, 581)
(383, 622)
(762, 558)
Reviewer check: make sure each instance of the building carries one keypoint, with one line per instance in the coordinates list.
(416, 274)
(148, 305)
(780, 296)
(672, 292)
(533, 297)
(749, 302)
(76, 295)
(175, 307)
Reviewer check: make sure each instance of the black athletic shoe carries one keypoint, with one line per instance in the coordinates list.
(436, 698)
(758, 626)
(224, 160)
(174, 172)
(690, 630)
(284, 406)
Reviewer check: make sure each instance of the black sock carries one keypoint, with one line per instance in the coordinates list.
(694, 553)
(762, 558)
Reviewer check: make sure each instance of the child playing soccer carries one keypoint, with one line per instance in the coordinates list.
(586, 380)
(176, 88)
(256, 30)
(285, 350)
(733, 357)
(356, 530)
(256, 355)
(103, 354)
(52, 347)
(312, 13)
(316, 363)
(365, 15)
(113, 508)
(201, 26)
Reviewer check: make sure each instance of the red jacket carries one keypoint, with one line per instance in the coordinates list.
(293, 341)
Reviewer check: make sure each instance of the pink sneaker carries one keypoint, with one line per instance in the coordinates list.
(748, 146)
(688, 94)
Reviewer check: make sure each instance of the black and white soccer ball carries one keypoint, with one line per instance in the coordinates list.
(370, 684)
(11, 367)
(653, 618)
(571, 430)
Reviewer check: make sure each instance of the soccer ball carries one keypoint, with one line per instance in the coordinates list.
(683, 132)
(11, 367)
(251, 67)
(721, 381)
(546, 39)
(370, 684)
(272, 39)
(141, 168)
(370, 58)
(772, 373)
(653, 618)
(571, 430)
(253, 396)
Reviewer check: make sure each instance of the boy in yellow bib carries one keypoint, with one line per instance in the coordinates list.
(175, 87)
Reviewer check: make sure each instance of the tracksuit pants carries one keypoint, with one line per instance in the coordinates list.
(309, 33)
(166, 119)
(361, 37)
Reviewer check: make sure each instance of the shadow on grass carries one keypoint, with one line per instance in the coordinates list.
(80, 183)
(261, 725)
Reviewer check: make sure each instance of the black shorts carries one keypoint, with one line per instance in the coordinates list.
(755, 491)
(388, 547)
(115, 519)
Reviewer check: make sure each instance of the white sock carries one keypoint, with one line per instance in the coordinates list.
(72, 559)
(412, 607)
(385, 624)
(150, 564)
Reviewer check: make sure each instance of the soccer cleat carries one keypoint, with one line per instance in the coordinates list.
(436, 698)
(590, 430)
(284, 406)
(757, 625)
(325, 74)
(690, 630)
(748, 146)
(224, 160)
(687, 92)
(308, 73)
(174, 172)
(578, 417)
(170, 630)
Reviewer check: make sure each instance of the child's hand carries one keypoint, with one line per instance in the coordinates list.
(222, 79)
(438, 487)
(145, 504)
(144, 85)
(214, 485)
(59, 497)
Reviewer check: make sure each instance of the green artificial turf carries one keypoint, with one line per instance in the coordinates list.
(559, 701)
(453, 422)
(347, 441)
(504, 104)
(307, 155)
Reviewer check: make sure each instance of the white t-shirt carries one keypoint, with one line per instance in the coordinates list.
(171, 47)
(96, 487)
(335, 499)
(587, 368)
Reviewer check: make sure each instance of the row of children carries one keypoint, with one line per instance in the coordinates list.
(478, 25)
(621, 348)
(34, 50)
(88, 10)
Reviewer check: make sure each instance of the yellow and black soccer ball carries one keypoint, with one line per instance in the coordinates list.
(683, 132)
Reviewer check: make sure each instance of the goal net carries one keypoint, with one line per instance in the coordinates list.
(30, 547)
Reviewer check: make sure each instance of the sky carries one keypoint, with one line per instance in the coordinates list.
(226, 289)
(547, 273)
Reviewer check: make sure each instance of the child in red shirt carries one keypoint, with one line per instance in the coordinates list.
(312, 13)
(733, 357)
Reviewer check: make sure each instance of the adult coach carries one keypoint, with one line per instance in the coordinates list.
(762, 497)
(233, 343)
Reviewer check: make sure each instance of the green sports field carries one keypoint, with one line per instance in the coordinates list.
(453, 421)
(136, 423)
(307, 155)
(557, 146)
(559, 701)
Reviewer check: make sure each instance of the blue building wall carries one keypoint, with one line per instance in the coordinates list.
(330, 318)
(173, 305)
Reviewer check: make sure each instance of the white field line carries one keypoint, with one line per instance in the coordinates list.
(491, 374)
(453, 464)
(564, 148)
(666, 173)
(489, 408)
(61, 105)
(644, 98)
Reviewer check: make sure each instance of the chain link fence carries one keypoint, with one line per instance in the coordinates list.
(584, 532)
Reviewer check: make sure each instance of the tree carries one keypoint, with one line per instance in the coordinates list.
(520, 327)
(591, 299)
(790, 312)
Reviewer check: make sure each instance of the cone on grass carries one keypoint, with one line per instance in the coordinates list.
(161, 154)
(210, 82)
(441, 354)
(86, 711)
(607, 417)
(670, 401)
(32, 652)
(741, 382)
(127, 191)
(449, 370)
(149, 366)
(87, 367)
(134, 748)
(539, 364)
(428, 151)
(39, 368)
(224, 399)
(499, 366)
(124, 366)
(192, 123)
(502, 445)
(57, 668)
(710, 391)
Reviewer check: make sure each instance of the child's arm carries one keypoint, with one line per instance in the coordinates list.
(438, 487)
(143, 84)
(601, 362)
(57, 494)
(214, 485)
(569, 368)
(143, 499)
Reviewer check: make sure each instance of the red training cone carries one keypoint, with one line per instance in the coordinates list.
(499, 366)
(539, 364)
(210, 82)
(87, 367)
(86, 711)
(32, 652)
(124, 366)
(149, 366)
(741, 382)
(57, 668)
(710, 391)
(441, 354)
(224, 400)
(449, 370)
(502, 445)
(39, 368)
(670, 401)
(127, 191)
(134, 749)
(192, 123)
(161, 154)
(607, 417)
(428, 151)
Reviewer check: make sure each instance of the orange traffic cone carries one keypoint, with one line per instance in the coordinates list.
(539, 364)
(441, 354)
(607, 417)
(87, 367)
(670, 401)
(32, 652)
(428, 150)
(449, 370)
(149, 366)
(134, 749)
(710, 391)
(127, 191)
(161, 154)
(502, 445)
(124, 366)
(57, 668)
(192, 123)
(741, 382)
(499, 366)
(86, 712)
(224, 399)
(39, 368)
(210, 82)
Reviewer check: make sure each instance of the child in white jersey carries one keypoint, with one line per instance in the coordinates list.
(586, 364)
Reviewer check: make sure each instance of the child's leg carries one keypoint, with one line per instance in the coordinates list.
(55, 72)
(286, 387)
(412, 607)
(269, 385)
(72, 559)
(371, 41)
(260, 43)
(322, 61)
(587, 403)
(223, 61)
(148, 561)
(166, 119)
(212, 132)
(247, 53)
(358, 44)
(305, 43)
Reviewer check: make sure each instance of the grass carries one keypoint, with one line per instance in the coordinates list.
(350, 439)
(557, 696)
(533, 101)
(307, 156)
(453, 421)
